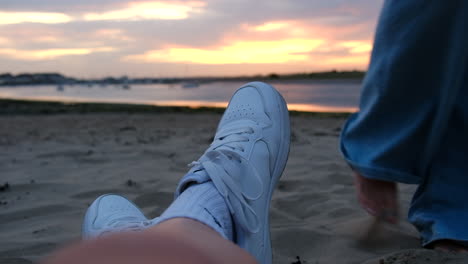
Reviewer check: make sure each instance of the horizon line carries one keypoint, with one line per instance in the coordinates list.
(272, 75)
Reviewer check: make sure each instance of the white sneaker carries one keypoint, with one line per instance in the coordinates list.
(245, 161)
(112, 213)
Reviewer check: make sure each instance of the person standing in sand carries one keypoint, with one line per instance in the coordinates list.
(221, 210)
(412, 126)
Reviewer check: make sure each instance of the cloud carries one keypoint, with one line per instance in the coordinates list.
(148, 11)
(341, 54)
(357, 46)
(111, 34)
(280, 51)
(33, 17)
(355, 61)
(271, 42)
(274, 29)
(47, 54)
(271, 26)
(4, 41)
(62, 6)
(250, 36)
(343, 48)
(133, 11)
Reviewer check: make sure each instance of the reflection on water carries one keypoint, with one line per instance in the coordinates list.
(316, 96)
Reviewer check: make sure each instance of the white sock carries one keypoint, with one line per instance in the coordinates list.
(203, 203)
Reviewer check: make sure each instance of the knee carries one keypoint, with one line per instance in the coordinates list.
(126, 248)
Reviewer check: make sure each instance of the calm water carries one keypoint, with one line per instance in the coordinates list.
(301, 95)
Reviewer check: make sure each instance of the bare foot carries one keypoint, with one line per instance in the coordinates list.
(378, 198)
(448, 246)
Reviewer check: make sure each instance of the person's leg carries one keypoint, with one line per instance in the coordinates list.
(226, 195)
(439, 208)
(179, 240)
(408, 96)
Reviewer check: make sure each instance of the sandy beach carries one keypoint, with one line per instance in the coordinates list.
(56, 165)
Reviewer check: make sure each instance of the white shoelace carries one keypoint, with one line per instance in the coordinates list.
(226, 167)
(126, 223)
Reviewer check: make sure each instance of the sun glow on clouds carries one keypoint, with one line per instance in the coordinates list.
(134, 11)
(358, 54)
(4, 41)
(289, 50)
(271, 26)
(32, 55)
(33, 17)
(290, 28)
(357, 46)
(294, 43)
(357, 60)
(148, 11)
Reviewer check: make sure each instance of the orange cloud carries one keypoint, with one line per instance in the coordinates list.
(332, 52)
(357, 46)
(273, 42)
(345, 61)
(4, 41)
(280, 51)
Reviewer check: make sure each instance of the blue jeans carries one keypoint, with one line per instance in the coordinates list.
(412, 126)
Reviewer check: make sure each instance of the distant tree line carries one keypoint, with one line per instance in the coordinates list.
(320, 75)
(8, 79)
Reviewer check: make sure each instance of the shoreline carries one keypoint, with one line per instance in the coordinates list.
(55, 78)
(34, 107)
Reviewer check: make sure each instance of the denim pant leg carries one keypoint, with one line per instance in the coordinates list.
(409, 94)
(440, 206)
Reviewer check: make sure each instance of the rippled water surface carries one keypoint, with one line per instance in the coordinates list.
(333, 95)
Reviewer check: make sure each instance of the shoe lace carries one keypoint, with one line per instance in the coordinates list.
(126, 223)
(220, 164)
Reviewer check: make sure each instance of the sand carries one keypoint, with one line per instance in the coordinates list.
(56, 165)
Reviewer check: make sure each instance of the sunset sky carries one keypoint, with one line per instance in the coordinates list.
(91, 38)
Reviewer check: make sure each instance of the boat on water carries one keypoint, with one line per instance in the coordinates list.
(189, 85)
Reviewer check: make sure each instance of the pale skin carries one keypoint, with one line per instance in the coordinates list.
(179, 240)
(380, 199)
